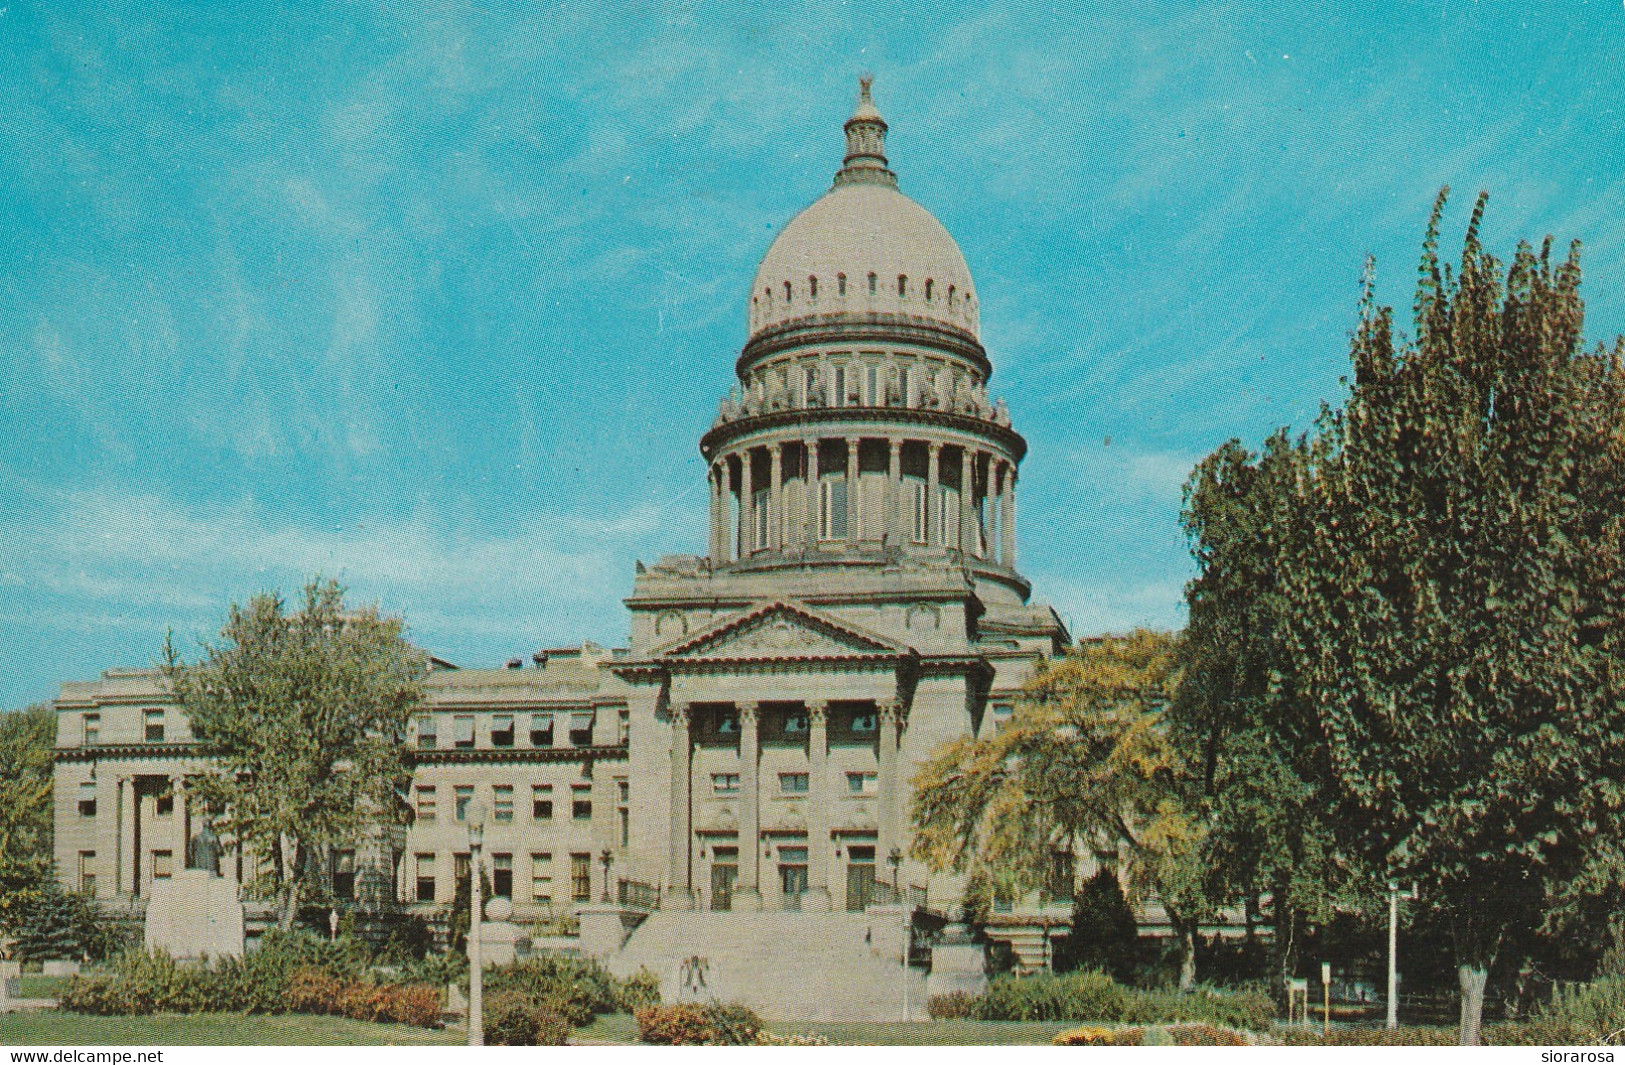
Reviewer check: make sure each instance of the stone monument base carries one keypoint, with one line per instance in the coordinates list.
(194, 915)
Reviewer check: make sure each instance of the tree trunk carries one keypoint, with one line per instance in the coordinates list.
(289, 850)
(1472, 977)
(1185, 933)
(1284, 944)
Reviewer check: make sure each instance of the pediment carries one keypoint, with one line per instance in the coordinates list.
(780, 630)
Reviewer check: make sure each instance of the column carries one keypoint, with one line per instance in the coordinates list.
(123, 803)
(748, 895)
(747, 507)
(933, 497)
(719, 521)
(679, 893)
(178, 835)
(894, 496)
(852, 511)
(1008, 516)
(775, 498)
(809, 497)
(820, 798)
(886, 822)
(967, 501)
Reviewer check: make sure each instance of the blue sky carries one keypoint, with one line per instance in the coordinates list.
(438, 298)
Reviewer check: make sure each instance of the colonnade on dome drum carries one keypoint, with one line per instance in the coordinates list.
(815, 488)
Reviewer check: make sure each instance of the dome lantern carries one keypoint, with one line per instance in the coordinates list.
(865, 162)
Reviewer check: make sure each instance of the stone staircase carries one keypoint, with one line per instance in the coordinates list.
(785, 966)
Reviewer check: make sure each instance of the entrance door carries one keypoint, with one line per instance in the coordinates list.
(724, 871)
(860, 878)
(792, 876)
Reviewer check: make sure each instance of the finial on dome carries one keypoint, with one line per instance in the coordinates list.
(865, 162)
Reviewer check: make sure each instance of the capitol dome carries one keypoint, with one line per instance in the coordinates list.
(864, 249)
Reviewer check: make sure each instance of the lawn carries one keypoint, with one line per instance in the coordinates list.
(620, 1028)
(52, 1028)
(37, 986)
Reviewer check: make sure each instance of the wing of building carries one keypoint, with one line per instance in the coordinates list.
(858, 605)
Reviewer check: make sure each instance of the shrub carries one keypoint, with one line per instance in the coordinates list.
(1084, 1037)
(1088, 996)
(1206, 1035)
(1413, 1036)
(955, 1005)
(515, 1019)
(688, 1024)
(1596, 1009)
(1104, 934)
(1250, 1010)
(642, 989)
(576, 988)
(314, 991)
(418, 1005)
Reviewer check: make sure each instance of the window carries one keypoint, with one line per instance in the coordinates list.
(502, 876)
(794, 783)
(154, 722)
(787, 292)
(581, 802)
(87, 872)
(1061, 876)
(87, 798)
(541, 802)
(812, 288)
(425, 878)
(428, 736)
(623, 790)
(581, 730)
(832, 508)
(928, 284)
(874, 284)
(163, 804)
(725, 783)
(92, 729)
(810, 385)
(952, 299)
(462, 730)
(903, 376)
(502, 730)
(463, 797)
(623, 728)
(902, 286)
(344, 874)
(921, 517)
(426, 803)
(541, 730)
(840, 386)
(163, 865)
(871, 384)
(865, 721)
(623, 818)
(861, 783)
(580, 877)
(840, 284)
(727, 722)
(541, 878)
(502, 802)
(795, 723)
(623, 811)
(760, 519)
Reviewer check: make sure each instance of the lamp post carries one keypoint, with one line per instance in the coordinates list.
(895, 860)
(476, 964)
(1394, 895)
(606, 858)
(1326, 982)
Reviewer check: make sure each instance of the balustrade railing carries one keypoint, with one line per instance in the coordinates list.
(636, 895)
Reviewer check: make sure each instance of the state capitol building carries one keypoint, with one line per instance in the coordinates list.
(748, 754)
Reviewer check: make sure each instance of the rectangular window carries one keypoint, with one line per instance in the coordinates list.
(502, 876)
(581, 802)
(794, 783)
(425, 878)
(795, 723)
(153, 720)
(623, 791)
(541, 802)
(541, 730)
(871, 383)
(840, 386)
(861, 783)
(462, 730)
(809, 386)
(87, 872)
(541, 878)
(581, 730)
(502, 802)
(87, 798)
(865, 721)
(163, 865)
(463, 798)
(581, 877)
(904, 376)
(623, 818)
(426, 803)
(92, 729)
(344, 874)
(428, 732)
(163, 804)
(502, 730)
(921, 517)
(725, 783)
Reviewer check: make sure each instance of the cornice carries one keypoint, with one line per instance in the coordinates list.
(820, 418)
(129, 750)
(515, 755)
(846, 328)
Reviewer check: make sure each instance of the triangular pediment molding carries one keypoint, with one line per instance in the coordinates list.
(779, 630)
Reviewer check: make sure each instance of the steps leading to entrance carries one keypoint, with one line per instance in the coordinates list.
(785, 966)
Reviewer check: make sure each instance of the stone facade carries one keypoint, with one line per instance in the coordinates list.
(857, 606)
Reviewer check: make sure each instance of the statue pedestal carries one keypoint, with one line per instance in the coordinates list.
(958, 963)
(195, 914)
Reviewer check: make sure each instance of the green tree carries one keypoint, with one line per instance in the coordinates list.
(1085, 762)
(305, 714)
(1104, 933)
(51, 923)
(27, 738)
(1452, 609)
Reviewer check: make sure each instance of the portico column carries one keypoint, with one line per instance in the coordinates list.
(967, 501)
(852, 511)
(1009, 516)
(886, 823)
(819, 799)
(809, 497)
(747, 505)
(123, 803)
(719, 513)
(748, 895)
(775, 505)
(894, 495)
(933, 497)
(679, 887)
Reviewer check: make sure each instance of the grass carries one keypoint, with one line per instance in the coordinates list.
(35, 986)
(55, 1028)
(621, 1028)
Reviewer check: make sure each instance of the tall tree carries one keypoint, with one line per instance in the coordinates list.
(27, 738)
(305, 715)
(1086, 762)
(1453, 611)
